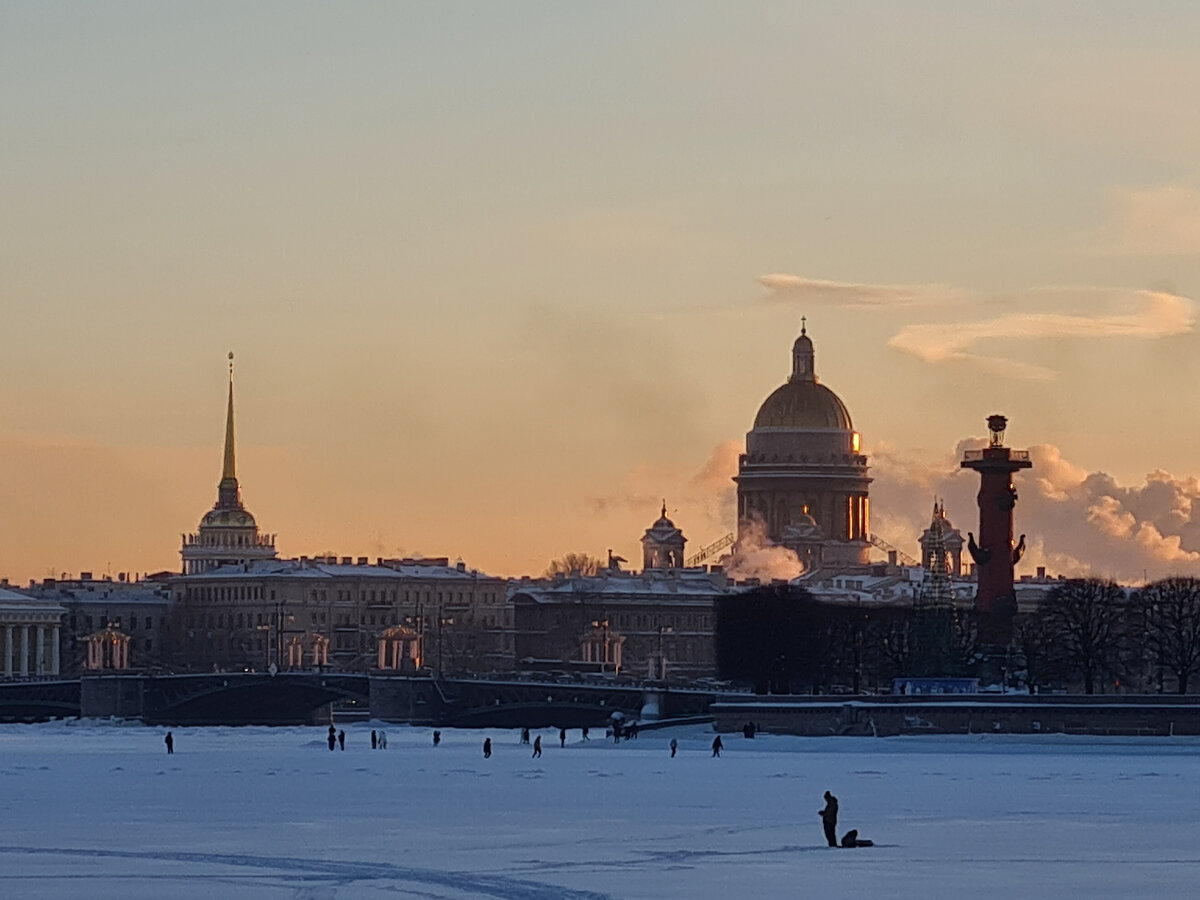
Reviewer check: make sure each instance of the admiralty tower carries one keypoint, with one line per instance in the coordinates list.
(803, 474)
(228, 534)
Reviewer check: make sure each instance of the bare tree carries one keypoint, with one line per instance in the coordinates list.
(1171, 610)
(1084, 620)
(583, 563)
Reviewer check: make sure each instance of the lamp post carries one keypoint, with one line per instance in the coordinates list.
(603, 624)
(442, 622)
(662, 660)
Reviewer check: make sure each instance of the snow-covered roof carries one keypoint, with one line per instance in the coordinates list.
(296, 568)
(691, 584)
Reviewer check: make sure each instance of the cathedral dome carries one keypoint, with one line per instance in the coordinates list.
(219, 517)
(803, 404)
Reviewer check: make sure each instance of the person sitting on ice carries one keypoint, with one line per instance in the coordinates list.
(851, 839)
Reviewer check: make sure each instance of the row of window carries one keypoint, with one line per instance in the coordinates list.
(88, 622)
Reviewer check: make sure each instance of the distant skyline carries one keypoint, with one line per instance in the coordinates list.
(499, 277)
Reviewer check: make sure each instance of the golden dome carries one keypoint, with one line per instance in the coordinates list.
(803, 404)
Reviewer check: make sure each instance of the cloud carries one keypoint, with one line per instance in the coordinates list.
(1155, 314)
(1077, 522)
(1158, 221)
(786, 287)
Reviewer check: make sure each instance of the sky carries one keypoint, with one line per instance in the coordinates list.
(500, 278)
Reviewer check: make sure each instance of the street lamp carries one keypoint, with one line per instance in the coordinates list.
(442, 622)
(603, 623)
(662, 660)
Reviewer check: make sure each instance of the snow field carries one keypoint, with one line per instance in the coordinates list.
(100, 810)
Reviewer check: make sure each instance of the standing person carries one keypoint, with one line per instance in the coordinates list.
(342, 739)
(562, 737)
(487, 748)
(437, 738)
(524, 735)
(829, 818)
(332, 739)
(382, 740)
(169, 740)
(374, 740)
(674, 747)
(537, 746)
(585, 737)
(717, 745)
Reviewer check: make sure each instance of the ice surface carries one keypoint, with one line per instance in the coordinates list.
(99, 810)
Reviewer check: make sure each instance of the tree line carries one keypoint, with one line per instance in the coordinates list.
(1087, 634)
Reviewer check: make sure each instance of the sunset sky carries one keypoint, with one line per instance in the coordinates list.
(501, 276)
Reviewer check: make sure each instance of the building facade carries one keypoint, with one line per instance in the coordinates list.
(29, 635)
(803, 478)
(336, 612)
(228, 533)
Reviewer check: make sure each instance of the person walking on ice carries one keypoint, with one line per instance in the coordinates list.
(169, 740)
(829, 818)
(487, 748)
(537, 746)
(717, 745)
(674, 747)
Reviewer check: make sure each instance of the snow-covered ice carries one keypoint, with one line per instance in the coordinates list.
(99, 810)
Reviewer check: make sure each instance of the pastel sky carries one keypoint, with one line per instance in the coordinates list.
(499, 276)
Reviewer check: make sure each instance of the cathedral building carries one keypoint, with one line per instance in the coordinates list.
(228, 534)
(803, 478)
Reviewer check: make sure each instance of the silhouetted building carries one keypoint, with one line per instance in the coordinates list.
(228, 533)
(803, 474)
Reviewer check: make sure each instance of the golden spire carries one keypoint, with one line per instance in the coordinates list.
(229, 470)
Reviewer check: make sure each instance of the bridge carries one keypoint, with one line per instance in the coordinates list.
(300, 697)
(31, 701)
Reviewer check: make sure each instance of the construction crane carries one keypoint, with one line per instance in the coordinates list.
(705, 552)
(877, 541)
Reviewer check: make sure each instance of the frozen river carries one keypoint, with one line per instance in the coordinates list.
(100, 811)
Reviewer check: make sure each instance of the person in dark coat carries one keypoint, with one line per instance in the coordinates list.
(342, 739)
(169, 740)
(524, 735)
(562, 737)
(717, 745)
(374, 740)
(537, 746)
(674, 747)
(437, 738)
(332, 739)
(851, 839)
(829, 818)
(584, 733)
(487, 748)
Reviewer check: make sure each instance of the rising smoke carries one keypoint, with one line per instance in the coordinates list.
(754, 556)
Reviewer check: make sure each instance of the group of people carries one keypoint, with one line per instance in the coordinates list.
(378, 741)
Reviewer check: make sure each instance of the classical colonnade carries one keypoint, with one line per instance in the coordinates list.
(30, 650)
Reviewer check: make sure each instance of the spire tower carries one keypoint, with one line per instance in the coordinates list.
(228, 533)
(228, 492)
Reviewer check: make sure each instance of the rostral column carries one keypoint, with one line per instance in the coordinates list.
(996, 554)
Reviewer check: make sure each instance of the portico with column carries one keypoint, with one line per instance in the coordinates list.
(30, 633)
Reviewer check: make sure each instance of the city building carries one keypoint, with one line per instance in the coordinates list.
(139, 610)
(803, 478)
(328, 611)
(228, 533)
(29, 635)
